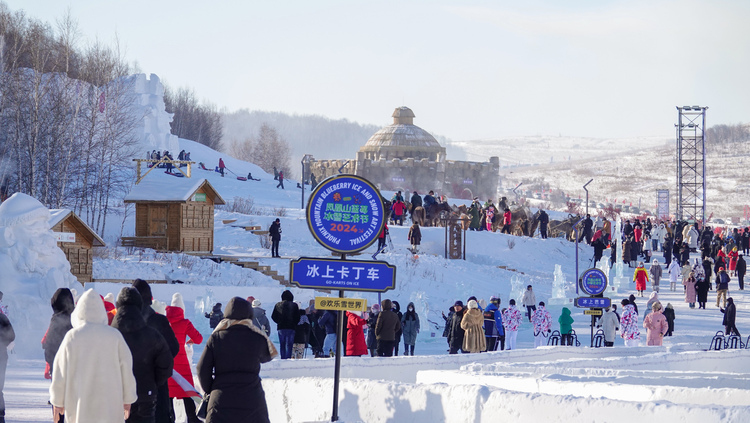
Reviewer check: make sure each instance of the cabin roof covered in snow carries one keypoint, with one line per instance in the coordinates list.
(58, 215)
(176, 190)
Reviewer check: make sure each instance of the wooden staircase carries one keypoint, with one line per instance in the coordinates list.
(253, 265)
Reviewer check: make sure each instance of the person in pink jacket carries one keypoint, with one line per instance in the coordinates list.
(656, 325)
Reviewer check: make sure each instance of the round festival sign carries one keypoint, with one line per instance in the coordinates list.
(594, 282)
(345, 213)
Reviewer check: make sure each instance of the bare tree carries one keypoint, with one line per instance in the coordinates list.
(267, 150)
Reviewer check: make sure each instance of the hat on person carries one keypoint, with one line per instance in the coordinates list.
(458, 303)
(656, 306)
(256, 303)
(720, 269)
(473, 304)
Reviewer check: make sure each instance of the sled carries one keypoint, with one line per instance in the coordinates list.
(241, 178)
(374, 256)
(179, 175)
(203, 166)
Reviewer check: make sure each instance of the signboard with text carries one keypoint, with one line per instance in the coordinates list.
(345, 213)
(350, 275)
(65, 237)
(594, 282)
(593, 302)
(341, 304)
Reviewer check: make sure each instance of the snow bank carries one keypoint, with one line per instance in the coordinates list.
(466, 401)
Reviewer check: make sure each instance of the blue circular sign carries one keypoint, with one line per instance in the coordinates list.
(594, 282)
(345, 213)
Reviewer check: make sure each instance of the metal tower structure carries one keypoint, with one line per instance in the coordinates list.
(691, 163)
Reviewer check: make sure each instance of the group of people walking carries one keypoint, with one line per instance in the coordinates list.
(126, 361)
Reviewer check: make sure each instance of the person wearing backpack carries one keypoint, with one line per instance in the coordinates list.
(493, 325)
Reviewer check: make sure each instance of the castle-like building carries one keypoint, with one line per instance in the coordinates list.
(405, 157)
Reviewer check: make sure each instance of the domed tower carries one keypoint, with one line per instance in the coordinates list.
(402, 140)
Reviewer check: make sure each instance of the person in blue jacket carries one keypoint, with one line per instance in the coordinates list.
(328, 321)
(493, 325)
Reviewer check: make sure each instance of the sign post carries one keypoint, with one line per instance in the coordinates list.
(594, 283)
(345, 215)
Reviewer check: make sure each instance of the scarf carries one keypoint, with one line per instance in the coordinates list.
(226, 323)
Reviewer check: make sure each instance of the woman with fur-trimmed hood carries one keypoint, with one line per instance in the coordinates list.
(229, 368)
(92, 375)
(473, 325)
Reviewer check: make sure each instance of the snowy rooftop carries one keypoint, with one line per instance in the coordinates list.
(173, 189)
(58, 215)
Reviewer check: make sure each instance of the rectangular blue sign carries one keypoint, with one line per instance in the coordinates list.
(349, 275)
(593, 302)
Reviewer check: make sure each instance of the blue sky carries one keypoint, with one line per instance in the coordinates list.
(469, 69)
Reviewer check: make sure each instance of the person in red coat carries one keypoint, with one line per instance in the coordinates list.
(221, 166)
(640, 277)
(183, 329)
(507, 217)
(733, 255)
(355, 339)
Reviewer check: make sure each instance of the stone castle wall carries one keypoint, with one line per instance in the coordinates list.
(456, 179)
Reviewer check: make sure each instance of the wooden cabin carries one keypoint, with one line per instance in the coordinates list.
(77, 240)
(174, 215)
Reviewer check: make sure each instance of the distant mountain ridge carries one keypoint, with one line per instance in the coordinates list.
(323, 137)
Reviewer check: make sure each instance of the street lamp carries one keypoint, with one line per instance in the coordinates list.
(587, 195)
(306, 159)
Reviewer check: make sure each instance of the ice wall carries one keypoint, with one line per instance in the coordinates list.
(154, 130)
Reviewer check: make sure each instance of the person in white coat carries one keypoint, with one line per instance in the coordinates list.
(92, 377)
(610, 323)
(675, 274)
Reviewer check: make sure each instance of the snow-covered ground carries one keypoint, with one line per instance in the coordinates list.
(677, 382)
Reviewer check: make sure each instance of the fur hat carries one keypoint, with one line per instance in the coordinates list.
(129, 296)
(110, 297)
(473, 304)
(177, 301)
(145, 290)
(256, 303)
(238, 309)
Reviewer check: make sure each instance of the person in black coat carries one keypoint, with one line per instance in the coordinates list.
(702, 286)
(667, 249)
(62, 306)
(669, 314)
(684, 254)
(456, 333)
(598, 249)
(7, 335)
(152, 360)
(229, 367)
(400, 331)
(275, 232)
(215, 316)
(543, 222)
(708, 270)
(286, 316)
(164, 410)
(741, 269)
(730, 314)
